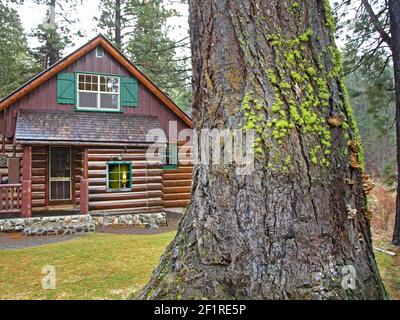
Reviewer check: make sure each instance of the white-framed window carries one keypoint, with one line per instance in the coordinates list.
(99, 52)
(98, 92)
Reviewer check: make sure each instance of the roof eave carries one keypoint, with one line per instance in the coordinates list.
(50, 72)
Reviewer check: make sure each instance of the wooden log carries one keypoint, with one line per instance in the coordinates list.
(177, 176)
(177, 196)
(26, 208)
(172, 190)
(176, 204)
(177, 183)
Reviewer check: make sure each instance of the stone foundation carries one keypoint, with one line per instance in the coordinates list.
(62, 229)
(80, 223)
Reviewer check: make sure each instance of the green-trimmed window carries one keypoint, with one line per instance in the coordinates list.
(119, 176)
(98, 92)
(170, 156)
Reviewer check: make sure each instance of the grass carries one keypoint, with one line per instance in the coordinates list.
(108, 266)
(382, 203)
(389, 268)
(97, 266)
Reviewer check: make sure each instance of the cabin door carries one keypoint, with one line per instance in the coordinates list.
(60, 184)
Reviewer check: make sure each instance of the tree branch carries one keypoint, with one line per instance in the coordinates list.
(375, 21)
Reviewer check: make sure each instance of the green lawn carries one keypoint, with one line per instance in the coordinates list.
(389, 268)
(97, 266)
(106, 266)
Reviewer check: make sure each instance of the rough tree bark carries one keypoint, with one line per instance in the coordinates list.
(287, 230)
(394, 11)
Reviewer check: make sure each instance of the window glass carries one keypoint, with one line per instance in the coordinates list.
(98, 92)
(109, 84)
(170, 158)
(119, 176)
(109, 101)
(88, 100)
(99, 52)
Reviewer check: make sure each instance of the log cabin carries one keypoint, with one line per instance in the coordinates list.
(75, 137)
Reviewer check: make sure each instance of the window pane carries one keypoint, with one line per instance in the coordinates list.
(111, 84)
(171, 155)
(60, 163)
(87, 100)
(119, 176)
(109, 101)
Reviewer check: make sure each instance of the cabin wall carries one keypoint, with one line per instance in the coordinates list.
(40, 177)
(177, 183)
(152, 186)
(147, 192)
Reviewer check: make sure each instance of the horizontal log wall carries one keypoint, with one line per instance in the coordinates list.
(77, 159)
(39, 183)
(177, 183)
(147, 188)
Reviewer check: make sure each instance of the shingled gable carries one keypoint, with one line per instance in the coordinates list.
(116, 54)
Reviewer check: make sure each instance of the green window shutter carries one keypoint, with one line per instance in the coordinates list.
(129, 92)
(66, 88)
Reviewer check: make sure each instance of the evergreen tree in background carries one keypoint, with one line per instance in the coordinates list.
(374, 109)
(139, 28)
(54, 33)
(16, 64)
(372, 33)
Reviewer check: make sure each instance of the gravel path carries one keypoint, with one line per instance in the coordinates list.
(18, 241)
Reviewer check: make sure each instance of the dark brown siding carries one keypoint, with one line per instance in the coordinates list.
(146, 194)
(39, 174)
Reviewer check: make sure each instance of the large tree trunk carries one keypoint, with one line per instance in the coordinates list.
(287, 230)
(394, 9)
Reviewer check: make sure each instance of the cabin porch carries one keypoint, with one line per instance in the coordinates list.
(65, 180)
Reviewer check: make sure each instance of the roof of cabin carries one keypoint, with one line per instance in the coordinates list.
(47, 127)
(108, 46)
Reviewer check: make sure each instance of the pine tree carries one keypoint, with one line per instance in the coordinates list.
(139, 29)
(16, 64)
(374, 109)
(54, 33)
(290, 228)
(370, 41)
